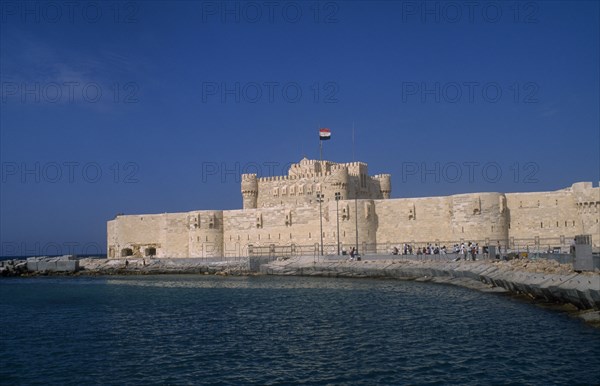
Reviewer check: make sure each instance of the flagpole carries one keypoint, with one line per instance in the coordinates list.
(320, 150)
(353, 141)
(320, 143)
(320, 194)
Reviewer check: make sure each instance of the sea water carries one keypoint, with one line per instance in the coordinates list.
(194, 329)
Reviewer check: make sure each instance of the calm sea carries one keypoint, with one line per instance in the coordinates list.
(281, 330)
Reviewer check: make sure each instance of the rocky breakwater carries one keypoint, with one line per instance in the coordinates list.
(154, 266)
(39, 265)
(10, 268)
(544, 282)
(70, 265)
(44, 264)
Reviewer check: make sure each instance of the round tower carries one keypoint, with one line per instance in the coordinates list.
(206, 233)
(337, 181)
(249, 191)
(385, 185)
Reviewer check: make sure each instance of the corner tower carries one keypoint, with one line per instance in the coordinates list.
(249, 191)
(385, 184)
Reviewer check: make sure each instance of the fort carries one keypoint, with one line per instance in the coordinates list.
(287, 213)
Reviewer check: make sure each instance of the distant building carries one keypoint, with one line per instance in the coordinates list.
(282, 213)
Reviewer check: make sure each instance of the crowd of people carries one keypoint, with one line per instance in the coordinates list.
(465, 251)
(430, 249)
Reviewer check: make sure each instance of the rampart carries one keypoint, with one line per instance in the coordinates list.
(285, 211)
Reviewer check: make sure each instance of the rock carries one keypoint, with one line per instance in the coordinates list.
(592, 316)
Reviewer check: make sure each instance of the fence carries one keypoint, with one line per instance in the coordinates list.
(557, 248)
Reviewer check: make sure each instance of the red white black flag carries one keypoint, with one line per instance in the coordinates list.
(324, 134)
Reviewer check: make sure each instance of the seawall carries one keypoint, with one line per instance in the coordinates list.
(43, 266)
(142, 266)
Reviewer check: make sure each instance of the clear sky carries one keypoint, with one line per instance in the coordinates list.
(152, 107)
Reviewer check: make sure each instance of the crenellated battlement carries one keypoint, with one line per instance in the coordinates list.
(308, 177)
(355, 163)
(249, 177)
(296, 177)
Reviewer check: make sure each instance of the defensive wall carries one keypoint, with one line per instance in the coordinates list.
(285, 211)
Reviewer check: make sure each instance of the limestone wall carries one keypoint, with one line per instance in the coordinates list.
(414, 221)
(480, 217)
(284, 226)
(135, 233)
(554, 218)
(191, 234)
(477, 217)
(266, 226)
(206, 229)
(542, 219)
(587, 202)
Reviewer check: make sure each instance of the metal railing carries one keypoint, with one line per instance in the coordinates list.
(532, 247)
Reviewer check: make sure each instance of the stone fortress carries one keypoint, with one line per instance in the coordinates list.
(285, 213)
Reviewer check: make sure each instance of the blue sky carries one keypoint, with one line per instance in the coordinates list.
(152, 107)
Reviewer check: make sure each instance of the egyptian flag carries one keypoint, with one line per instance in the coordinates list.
(324, 134)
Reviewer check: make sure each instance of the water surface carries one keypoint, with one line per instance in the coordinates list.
(191, 329)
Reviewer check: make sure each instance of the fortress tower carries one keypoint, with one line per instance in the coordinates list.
(309, 178)
(249, 190)
(385, 184)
